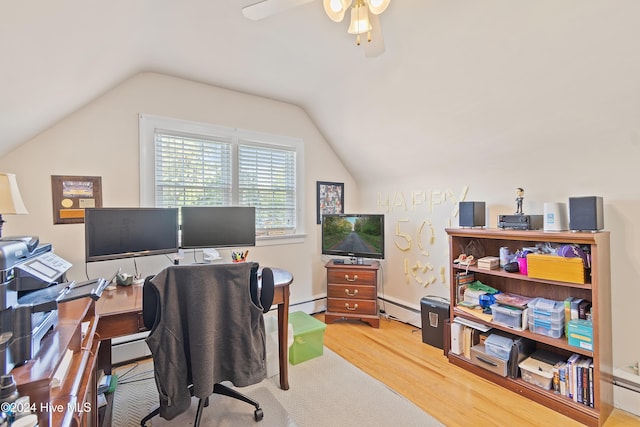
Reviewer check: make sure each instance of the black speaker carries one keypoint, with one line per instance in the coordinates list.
(472, 214)
(586, 213)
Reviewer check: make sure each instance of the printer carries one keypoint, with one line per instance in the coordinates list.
(26, 314)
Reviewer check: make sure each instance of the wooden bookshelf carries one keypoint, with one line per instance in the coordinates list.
(596, 290)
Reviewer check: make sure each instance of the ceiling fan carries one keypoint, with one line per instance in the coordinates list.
(364, 17)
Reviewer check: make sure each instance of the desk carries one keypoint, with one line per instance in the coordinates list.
(120, 313)
(66, 404)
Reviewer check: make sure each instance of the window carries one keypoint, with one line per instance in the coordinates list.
(192, 164)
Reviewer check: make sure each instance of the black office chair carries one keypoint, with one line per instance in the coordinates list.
(183, 290)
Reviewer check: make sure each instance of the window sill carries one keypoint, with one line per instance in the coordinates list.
(282, 239)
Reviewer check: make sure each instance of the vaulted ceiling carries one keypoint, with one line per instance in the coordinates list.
(455, 73)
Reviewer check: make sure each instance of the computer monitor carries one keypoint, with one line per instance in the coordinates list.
(114, 233)
(218, 226)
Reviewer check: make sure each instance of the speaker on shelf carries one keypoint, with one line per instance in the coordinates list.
(472, 214)
(586, 213)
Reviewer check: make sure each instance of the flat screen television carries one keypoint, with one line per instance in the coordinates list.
(114, 233)
(218, 226)
(353, 235)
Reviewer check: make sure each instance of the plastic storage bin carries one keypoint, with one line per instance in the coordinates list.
(498, 346)
(508, 316)
(536, 372)
(308, 337)
(546, 327)
(480, 357)
(546, 309)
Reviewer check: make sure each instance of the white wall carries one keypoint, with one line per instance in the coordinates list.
(101, 139)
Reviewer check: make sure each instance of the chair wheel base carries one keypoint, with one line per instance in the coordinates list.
(258, 414)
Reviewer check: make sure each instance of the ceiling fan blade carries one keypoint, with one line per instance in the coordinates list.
(376, 46)
(267, 8)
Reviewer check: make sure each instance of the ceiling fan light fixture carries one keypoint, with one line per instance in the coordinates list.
(359, 19)
(378, 6)
(336, 9)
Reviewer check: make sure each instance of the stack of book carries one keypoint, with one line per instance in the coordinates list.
(574, 378)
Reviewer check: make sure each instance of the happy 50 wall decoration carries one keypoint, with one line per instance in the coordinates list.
(414, 236)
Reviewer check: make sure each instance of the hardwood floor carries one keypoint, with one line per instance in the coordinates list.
(396, 356)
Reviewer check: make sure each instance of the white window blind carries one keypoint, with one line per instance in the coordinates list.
(186, 163)
(267, 180)
(191, 170)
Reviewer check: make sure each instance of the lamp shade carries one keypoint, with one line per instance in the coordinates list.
(359, 19)
(10, 198)
(378, 6)
(336, 9)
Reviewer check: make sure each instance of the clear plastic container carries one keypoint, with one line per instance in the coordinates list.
(507, 316)
(547, 328)
(536, 372)
(498, 346)
(546, 309)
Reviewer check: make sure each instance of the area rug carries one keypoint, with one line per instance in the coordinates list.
(324, 391)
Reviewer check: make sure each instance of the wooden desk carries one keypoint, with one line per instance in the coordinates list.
(72, 402)
(120, 313)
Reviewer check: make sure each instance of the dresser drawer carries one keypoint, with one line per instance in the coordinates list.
(354, 277)
(351, 306)
(351, 291)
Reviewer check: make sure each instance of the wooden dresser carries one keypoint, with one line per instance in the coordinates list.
(352, 292)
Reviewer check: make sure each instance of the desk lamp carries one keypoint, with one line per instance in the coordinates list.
(10, 199)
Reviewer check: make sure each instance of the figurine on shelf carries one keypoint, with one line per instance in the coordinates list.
(519, 198)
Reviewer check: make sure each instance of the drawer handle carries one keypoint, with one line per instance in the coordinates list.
(355, 306)
(351, 294)
(488, 362)
(346, 277)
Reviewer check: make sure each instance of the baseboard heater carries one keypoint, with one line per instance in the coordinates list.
(129, 348)
(626, 380)
(400, 311)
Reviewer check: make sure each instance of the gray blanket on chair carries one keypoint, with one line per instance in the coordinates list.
(207, 330)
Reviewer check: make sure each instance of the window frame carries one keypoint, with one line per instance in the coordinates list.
(147, 127)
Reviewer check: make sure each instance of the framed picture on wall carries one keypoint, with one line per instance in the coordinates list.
(72, 195)
(330, 198)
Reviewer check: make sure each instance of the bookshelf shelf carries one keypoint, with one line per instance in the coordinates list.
(597, 290)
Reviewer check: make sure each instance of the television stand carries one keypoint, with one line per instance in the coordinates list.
(352, 292)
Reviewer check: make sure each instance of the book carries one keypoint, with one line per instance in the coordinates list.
(567, 315)
(578, 393)
(562, 372)
(556, 378)
(571, 376)
(512, 300)
(590, 374)
(466, 342)
(583, 308)
(575, 313)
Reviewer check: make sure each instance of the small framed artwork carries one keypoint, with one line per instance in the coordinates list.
(330, 198)
(72, 195)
